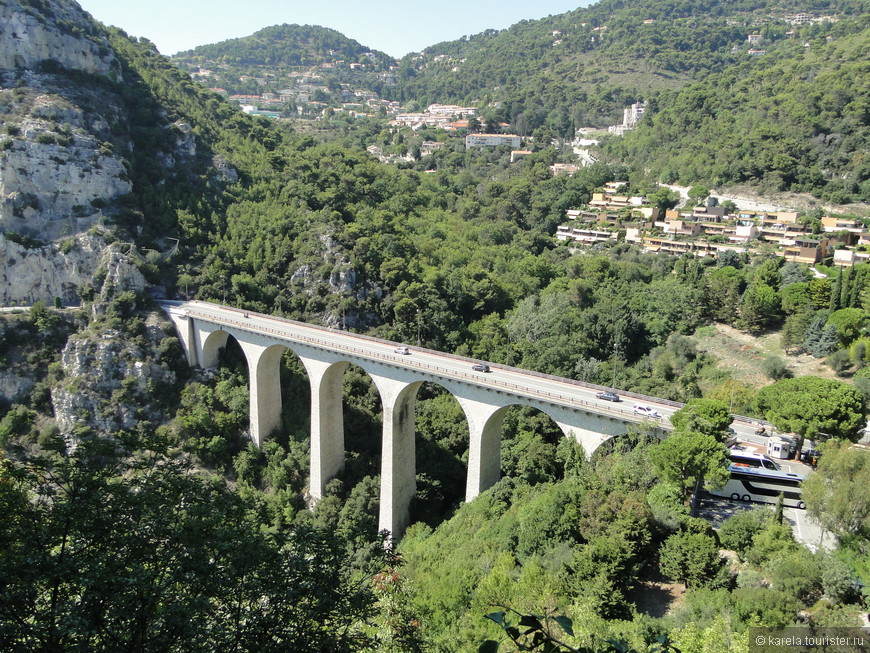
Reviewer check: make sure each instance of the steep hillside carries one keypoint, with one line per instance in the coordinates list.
(802, 70)
(272, 58)
(288, 45)
(85, 143)
(739, 92)
(61, 123)
(577, 67)
(799, 121)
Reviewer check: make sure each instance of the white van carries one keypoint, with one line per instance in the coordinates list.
(742, 458)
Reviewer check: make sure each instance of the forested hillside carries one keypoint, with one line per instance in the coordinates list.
(800, 122)
(139, 515)
(791, 117)
(554, 68)
(785, 112)
(275, 55)
(288, 45)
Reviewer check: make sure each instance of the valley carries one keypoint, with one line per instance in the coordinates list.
(254, 501)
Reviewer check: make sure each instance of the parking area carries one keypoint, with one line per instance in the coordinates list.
(806, 530)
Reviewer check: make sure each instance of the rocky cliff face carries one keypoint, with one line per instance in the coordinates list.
(28, 275)
(38, 30)
(67, 148)
(112, 380)
(55, 176)
(58, 168)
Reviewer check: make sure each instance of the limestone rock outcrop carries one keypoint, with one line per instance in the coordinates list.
(55, 31)
(111, 380)
(28, 275)
(14, 388)
(55, 177)
(59, 168)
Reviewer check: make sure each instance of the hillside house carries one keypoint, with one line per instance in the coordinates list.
(646, 212)
(807, 250)
(451, 110)
(744, 232)
(589, 217)
(607, 200)
(680, 228)
(427, 147)
(831, 224)
(564, 169)
(846, 258)
(585, 236)
(492, 140)
(710, 213)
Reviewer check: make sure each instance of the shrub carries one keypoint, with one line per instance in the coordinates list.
(840, 361)
(738, 531)
(46, 139)
(771, 542)
(16, 422)
(859, 353)
(690, 557)
(797, 573)
(774, 368)
(837, 582)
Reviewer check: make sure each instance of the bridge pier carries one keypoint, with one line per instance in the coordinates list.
(398, 453)
(203, 330)
(264, 374)
(327, 422)
(484, 445)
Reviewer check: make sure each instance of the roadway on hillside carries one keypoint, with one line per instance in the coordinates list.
(524, 383)
(556, 390)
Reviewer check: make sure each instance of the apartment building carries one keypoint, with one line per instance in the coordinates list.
(492, 140)
(585, 236)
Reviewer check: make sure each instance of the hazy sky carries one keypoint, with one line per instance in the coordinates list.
(396, 28)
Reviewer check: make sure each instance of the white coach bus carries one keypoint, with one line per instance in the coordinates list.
(762, 485)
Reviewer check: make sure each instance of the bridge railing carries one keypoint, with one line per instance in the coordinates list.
(427, 368)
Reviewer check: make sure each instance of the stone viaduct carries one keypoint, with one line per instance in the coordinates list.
(325, 353)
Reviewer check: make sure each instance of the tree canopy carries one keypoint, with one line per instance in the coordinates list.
(836, 494)
(813, 407)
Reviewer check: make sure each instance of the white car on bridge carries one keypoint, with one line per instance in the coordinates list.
(646, 411)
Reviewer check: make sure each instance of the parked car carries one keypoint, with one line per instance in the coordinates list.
(402, 350)
(608, 396)
(647, 411)
(480, 367)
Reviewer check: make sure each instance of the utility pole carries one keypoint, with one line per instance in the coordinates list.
(419, 326)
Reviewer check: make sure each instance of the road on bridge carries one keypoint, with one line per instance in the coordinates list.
(548, 388)
(557, 390)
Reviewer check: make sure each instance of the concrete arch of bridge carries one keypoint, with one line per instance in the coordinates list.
(442, 443)
(211, 342)
(265, 367)
(338, 402)
(484, 408)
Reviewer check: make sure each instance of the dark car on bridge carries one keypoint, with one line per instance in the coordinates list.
(480, 367)
(608, 396)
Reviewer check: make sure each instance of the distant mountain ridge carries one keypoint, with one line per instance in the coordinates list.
(289, 45)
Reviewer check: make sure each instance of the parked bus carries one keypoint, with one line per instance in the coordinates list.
(762, 485)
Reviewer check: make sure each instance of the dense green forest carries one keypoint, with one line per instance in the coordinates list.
(798, 123)
(179, 534)
(791, 118)
(272, 59)
(288, 45)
